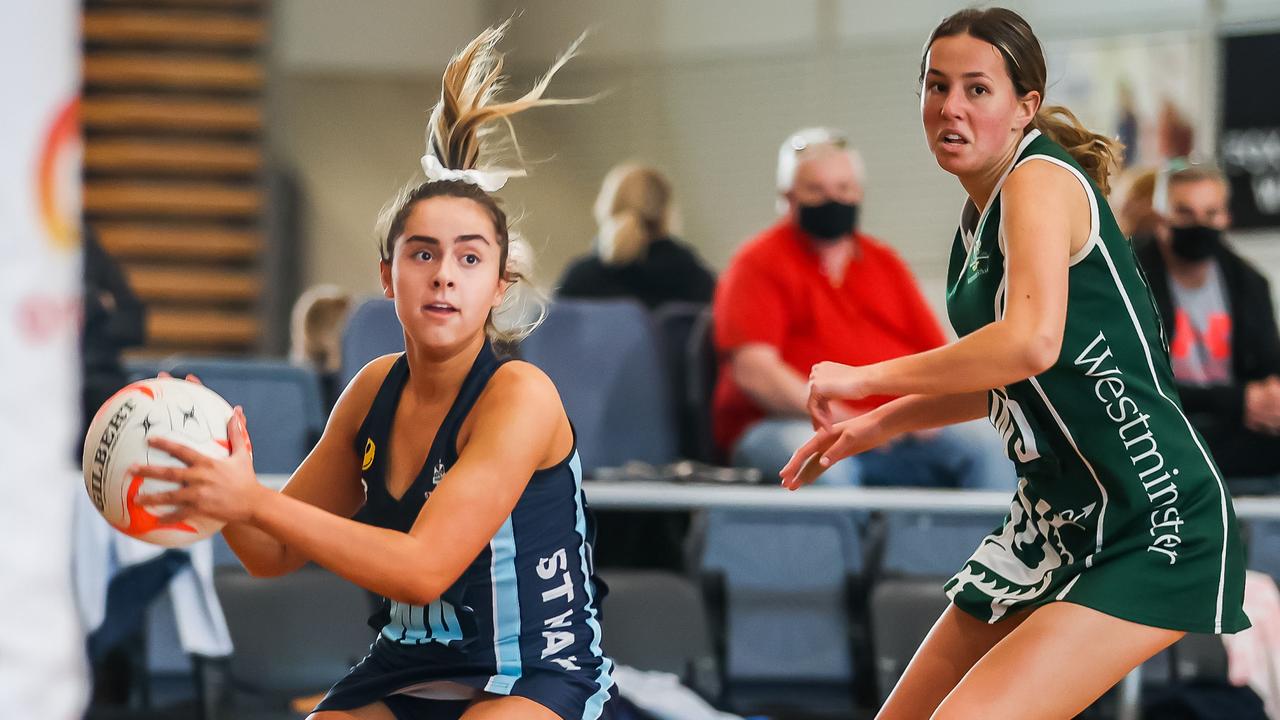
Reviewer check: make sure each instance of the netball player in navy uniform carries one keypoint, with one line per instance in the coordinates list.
(476, 533)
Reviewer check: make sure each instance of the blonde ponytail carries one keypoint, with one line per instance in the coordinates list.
(1098, 154)
(632, 210)
(623, 239)
(459, 123)
(458, 133)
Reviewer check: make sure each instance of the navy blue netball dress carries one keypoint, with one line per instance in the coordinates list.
(521, 620)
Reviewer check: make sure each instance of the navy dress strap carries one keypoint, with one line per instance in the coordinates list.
(374, 438)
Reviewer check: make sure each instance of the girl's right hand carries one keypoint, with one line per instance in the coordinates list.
(830, 382)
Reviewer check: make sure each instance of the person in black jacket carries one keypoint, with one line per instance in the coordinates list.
(635, 255)
(114, 319)
(1220, 323)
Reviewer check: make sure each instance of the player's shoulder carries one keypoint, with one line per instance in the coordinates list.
(519, 381)
(1037, 173)
(370, 377)
(520, 393)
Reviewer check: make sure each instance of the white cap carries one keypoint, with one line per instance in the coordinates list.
(801, 140)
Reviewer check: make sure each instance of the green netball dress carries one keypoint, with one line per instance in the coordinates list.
(1119, 506)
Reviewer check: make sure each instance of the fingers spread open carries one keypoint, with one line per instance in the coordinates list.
(790, 473)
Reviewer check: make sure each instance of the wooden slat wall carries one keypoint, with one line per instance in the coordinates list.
(173, 123)
(204, 28)
(253, 5)
(153, 114)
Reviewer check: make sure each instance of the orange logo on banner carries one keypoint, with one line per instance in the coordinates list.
(61, 143)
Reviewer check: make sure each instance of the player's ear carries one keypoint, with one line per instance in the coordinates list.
(384, 274)
(1028, 106)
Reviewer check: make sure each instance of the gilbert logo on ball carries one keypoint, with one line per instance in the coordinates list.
(176, 410)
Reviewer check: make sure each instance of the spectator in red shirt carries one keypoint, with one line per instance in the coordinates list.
(814, 288)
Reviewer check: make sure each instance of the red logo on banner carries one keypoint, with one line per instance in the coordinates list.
(42, 317)
(59, 156)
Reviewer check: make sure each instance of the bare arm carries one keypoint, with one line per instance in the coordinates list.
(518, 420)
(328, 479)
(519, 425)
(775, 386)
(1046, 218)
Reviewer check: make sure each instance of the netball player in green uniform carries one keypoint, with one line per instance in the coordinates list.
(1121, 537)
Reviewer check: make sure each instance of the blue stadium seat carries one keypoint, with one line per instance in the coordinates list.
(604, 358)
(702, 367)
(675, 323)
(372, 330)
(136, 369)
(786, 600)
(932, 544)
(902, 612)
(293, 636)
(281, 403)
(657, 621)
(1262, 537)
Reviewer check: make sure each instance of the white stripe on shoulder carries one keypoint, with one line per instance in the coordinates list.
(1222, 493)
(1095, 224)
(995, 191)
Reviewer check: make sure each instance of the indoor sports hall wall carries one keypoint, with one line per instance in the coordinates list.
(704, 90)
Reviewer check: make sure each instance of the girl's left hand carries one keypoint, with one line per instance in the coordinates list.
(829, 446)
(219, 488)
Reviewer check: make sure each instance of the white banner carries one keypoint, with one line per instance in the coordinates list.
(42, 672)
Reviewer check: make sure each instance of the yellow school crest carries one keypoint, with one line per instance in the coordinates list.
(369, 449)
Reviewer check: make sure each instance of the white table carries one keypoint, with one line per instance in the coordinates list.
(648, 495)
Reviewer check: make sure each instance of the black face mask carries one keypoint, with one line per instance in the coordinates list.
(1195, 242)
(829, 221)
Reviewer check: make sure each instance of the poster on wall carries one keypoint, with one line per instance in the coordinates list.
(1147, 90)
(41, 644)
(1250, 137)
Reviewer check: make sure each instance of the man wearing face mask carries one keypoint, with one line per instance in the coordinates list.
(1219, 321)
(813, 287)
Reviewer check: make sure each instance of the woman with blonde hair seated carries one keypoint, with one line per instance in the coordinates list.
(315, 335)
(635, 255)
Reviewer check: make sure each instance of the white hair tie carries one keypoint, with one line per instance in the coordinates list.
(487, 180)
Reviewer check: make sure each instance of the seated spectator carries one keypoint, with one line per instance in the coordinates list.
(1219, 319)
(635, 255)
(813, 287)
(315, 334)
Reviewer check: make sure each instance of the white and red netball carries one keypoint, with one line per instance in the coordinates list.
(176, 410)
